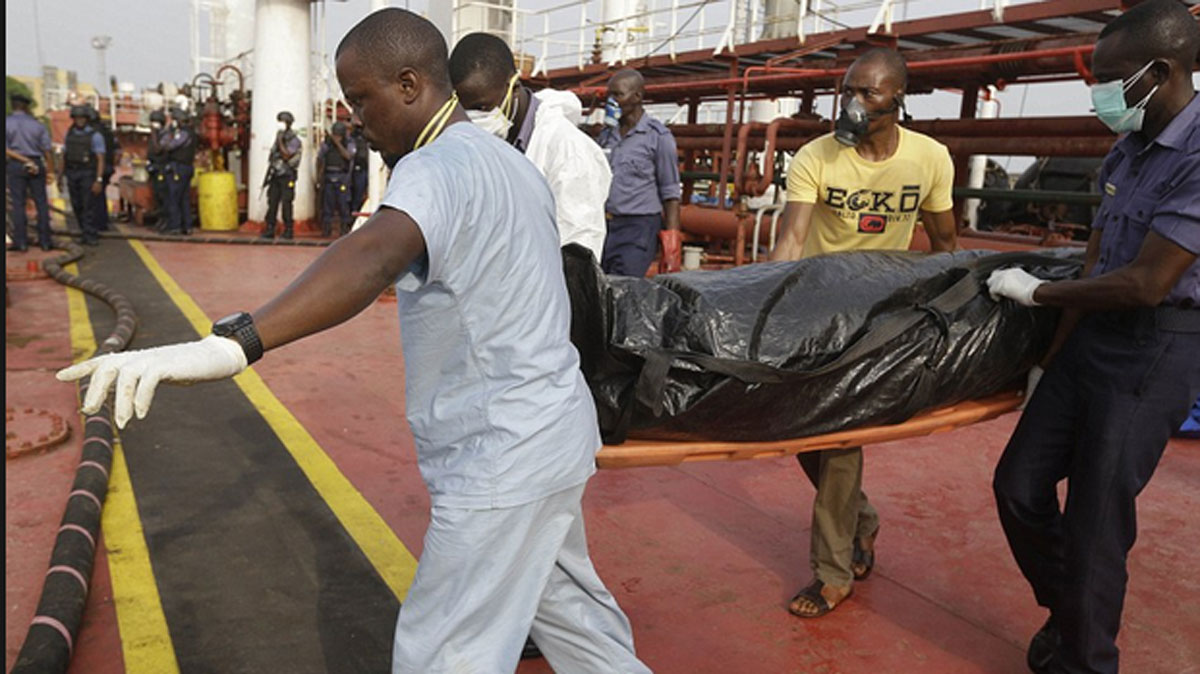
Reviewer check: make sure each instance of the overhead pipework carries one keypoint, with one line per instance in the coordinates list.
(773, 61)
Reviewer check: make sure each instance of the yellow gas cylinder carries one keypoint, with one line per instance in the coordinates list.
(217, 194)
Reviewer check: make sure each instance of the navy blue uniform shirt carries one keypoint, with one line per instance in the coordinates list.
(1154, 187)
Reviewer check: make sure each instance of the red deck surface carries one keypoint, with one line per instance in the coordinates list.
(702, 557)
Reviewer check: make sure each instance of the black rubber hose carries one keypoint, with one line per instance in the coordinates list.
(50, 641)
(49, 644)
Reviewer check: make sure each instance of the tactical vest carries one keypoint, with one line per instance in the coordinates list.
(186, 153)
(159, 155)
(282, 167)
(78, 149)
(334, 161)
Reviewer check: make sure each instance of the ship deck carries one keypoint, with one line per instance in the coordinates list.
(271, 524)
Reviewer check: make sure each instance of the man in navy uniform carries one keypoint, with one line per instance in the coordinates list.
(643, 202)
(156, 166)
(358, 176)
(180, 146)
(334, 163)
(1127, 363)
(111, 146)
(83, 159)
(281, 176)
(27, 167)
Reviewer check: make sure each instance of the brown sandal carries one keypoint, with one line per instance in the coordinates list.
(812, 595)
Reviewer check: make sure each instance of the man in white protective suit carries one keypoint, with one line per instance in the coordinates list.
(544, 126)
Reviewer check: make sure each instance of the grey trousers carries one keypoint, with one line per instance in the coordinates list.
(489, 578)
(841, 511)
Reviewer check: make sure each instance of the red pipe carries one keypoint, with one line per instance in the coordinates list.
(1084, 125)
(739, 173)
(693, 86)
(727, 142)
(230, 66)
(1071, 146)
(717, 223)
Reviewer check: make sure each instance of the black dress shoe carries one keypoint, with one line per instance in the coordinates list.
(1042, 647)
(531, 650)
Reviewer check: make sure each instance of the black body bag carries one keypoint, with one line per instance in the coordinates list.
(780, 350)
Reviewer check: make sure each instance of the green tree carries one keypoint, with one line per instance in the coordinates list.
(11, 86)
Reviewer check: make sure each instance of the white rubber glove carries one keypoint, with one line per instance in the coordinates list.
(1031, 382)
(138, 373)
(1016, 284)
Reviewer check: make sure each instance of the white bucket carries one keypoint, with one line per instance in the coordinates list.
(691, 257)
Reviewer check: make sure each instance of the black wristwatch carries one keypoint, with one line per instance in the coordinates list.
(240, 328)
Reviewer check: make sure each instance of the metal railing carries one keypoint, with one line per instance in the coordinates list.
(573, 33)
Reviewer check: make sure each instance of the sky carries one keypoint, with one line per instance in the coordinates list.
(150, 40)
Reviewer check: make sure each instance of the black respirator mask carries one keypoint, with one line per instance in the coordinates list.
(854, 121)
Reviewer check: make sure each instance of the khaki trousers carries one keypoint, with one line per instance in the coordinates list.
(841, 511)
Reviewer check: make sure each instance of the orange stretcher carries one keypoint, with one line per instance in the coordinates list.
(638, 453)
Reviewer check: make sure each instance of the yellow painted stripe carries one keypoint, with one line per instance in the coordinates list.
(145, 641)
(394, 563)
(83, 341)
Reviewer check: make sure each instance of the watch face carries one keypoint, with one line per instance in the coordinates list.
(229, 325)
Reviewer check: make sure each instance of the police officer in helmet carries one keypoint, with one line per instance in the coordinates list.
(111, 146)
(156, 165)
(280, 180)
(358, 177)
(334, 164)
(84, 150)
(179, 143)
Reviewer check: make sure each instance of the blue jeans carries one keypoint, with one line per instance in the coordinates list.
(631, 244)
(22, 185)
(179, 197)
(1100, 418)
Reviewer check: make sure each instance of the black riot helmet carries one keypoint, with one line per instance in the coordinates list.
(158, 116)
(285, 116)
(83, 111)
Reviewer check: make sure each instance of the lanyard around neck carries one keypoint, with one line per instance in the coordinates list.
(436, 123)
(508, 107)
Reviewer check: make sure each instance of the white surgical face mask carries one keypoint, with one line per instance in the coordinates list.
(493, 121)
(156, 125)
(498, 120)
(282, 126)
(1108, 99)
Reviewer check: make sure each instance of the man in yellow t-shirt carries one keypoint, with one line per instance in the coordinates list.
(861, 187)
